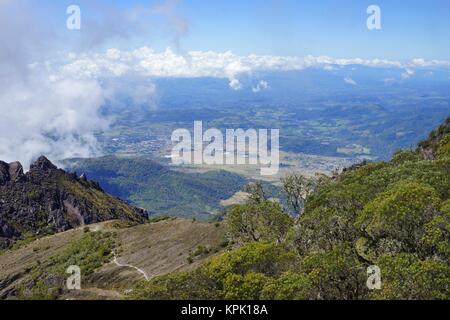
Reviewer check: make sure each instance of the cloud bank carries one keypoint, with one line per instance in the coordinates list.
(41, 113)
(55, 118)
(147, 62)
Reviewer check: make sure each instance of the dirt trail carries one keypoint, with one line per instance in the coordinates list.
(131, 266)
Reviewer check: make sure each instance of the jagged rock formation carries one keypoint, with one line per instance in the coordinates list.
(10, 172)
(46, 200)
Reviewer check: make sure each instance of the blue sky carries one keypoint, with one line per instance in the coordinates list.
(336, 28)
(410, 29)
(59, 79)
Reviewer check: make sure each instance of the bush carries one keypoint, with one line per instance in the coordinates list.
(400, 214)
(258, 222)
(404, 276)
(46, 281)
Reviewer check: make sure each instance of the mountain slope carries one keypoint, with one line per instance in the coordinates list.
(46, 200)
(390, 220)
(159, 189)
(156, 248)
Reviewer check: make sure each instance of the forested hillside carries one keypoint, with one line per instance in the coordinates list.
(159, 189)
(394, 215)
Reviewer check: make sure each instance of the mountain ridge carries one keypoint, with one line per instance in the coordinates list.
(47, 200)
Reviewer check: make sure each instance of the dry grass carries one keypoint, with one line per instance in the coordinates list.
(157, 248)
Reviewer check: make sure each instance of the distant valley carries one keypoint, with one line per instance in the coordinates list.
(159, 189)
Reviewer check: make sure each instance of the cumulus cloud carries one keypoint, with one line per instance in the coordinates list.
(235, 84)
(57, 119)
(262, 85)
(350, 81)
(150, 63)
(41, 112)
(408, 73)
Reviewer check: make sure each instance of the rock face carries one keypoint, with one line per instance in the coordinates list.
(4, 172)
(427, 148)
(11, 172)
(47, 200)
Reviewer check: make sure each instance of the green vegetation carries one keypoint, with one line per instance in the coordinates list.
(199, 251)
(297, 188)
(102, 204)
(159, 219)
(395, 215)
(158, 189)
(258, 222)
(323, 124)
(47, 281)
(443, 149)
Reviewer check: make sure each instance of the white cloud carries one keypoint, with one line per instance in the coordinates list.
(42, 113)
(58, 119)
(149, 63)
(235, 84)
(49, 103)
(408, 73)
(350, 81)
(262, 85)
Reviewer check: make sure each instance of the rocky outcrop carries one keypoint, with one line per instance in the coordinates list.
(10, 172)
(16, 172)
(4, 172)
(427, 148)
(42, 164)
(46, 200)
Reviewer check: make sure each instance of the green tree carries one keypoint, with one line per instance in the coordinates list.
(443, 150)
(246, 287)
(337, 273)
(297, 189)
(256, 192)
(400, 214)
(290, 286)
(258, 222)
(404, 276)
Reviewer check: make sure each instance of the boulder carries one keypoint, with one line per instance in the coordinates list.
(16, 171)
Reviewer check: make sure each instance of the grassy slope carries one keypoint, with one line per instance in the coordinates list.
(100, 200)
(158, 248)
